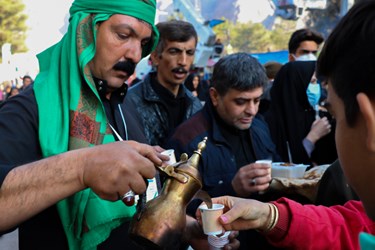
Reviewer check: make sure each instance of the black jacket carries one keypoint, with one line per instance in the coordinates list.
(151, 111)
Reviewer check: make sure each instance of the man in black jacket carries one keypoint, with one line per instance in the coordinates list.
(237, 137)
(161, 101)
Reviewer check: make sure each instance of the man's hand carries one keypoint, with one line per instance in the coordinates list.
(113, 169)
(110, 170)
(252, 178)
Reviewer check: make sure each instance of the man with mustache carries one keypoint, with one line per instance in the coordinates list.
(59, 186)
(161, 101)
(237, 137)
(73, 201)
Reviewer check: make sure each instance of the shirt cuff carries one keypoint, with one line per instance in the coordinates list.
(309, 146)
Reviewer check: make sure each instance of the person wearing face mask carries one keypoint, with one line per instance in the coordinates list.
(304, 45)
(314, 95)
(63, 176)
(294, 117)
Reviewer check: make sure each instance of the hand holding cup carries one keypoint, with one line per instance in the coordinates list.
(210, 219)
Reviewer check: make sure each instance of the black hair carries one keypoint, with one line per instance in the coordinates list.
(302, 35)
(27, 77)
(189, 81)
(272, 68)
(347, 58)
(238, 71)
(174, 31)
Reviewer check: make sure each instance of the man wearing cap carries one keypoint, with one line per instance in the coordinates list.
(73, 201)
(304, 44)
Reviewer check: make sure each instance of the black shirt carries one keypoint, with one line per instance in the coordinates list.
(20, 144)
(239, 141)
(176, 106)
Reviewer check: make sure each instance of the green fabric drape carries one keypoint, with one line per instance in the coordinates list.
(72, 116)
(367, 241)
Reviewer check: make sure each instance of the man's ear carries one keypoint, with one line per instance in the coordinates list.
(213, 95)
(291, 58)
(154, 58)
(367, 109)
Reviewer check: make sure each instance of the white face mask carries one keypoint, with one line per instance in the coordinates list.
(306, 57)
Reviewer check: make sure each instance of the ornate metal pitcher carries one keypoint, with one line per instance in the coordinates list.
(161, 222)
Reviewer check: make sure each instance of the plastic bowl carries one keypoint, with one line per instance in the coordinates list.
(288, 170)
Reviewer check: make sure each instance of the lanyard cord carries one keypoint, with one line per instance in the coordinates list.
(125, 127)
(114, 131)
(124, 122)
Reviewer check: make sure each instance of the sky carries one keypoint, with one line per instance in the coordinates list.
(46, 18)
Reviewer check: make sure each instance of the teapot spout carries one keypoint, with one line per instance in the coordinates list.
(204, 196)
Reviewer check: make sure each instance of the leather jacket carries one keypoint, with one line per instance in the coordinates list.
(150, 109)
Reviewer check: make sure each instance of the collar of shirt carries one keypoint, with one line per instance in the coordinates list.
(117, 96)
(164, 93)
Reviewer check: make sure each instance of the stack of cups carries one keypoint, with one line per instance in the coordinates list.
(212, 226)
(218, 242)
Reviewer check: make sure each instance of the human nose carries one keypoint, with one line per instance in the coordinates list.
(134, 52)
(251, 108)
(182, 59)
(314, 79)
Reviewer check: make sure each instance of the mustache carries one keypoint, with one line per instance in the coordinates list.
(126, 66)
(180, 70)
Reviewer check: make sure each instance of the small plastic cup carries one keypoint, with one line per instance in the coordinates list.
(210, 219)
(172, 157)
(218, 242)
(268, 162)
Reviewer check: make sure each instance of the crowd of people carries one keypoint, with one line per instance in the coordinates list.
(77, 140)
(9, 90)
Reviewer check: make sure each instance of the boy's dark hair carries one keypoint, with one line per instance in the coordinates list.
(238, 71)
(347, 58)
(174, 31)
(302, 35)
(272, 68)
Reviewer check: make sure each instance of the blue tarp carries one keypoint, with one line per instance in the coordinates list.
(278, 56)
(215, 22)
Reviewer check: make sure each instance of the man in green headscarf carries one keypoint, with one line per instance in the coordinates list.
(69, 194)
(73, 106)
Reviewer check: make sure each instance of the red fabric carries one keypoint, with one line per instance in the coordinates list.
(319, 227)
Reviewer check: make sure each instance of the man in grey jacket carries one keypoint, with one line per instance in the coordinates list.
(161, 101)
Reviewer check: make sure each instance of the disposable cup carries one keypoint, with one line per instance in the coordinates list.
(269, 162)
(210, 219)
(218, 242)
(172, 157)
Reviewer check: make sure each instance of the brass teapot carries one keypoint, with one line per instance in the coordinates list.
(160, 223)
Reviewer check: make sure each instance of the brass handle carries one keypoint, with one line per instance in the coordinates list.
(169, 170)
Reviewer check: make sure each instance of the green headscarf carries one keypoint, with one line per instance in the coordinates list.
(72, 116)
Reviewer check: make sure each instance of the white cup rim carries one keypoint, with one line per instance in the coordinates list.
(215, 206)
(264, 161)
